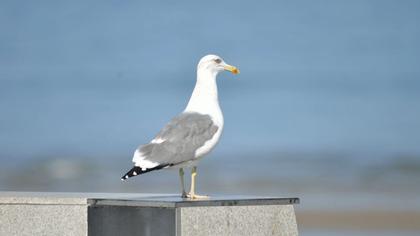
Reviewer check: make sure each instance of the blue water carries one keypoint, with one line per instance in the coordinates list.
(330, 76)
(327, 99)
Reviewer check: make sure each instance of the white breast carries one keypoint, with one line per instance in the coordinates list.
(210, 144)
(204, 100)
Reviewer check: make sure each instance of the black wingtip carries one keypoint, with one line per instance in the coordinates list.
(133, 172)
(136, 170)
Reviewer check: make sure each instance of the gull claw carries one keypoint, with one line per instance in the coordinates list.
(196, 196)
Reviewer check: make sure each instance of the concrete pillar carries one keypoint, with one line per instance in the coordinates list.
(23, 213)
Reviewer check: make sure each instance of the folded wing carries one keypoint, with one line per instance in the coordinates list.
(175, 144)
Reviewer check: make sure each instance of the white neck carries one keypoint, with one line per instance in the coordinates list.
(204, 98)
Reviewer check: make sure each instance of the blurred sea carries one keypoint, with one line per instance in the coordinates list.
(326, 108)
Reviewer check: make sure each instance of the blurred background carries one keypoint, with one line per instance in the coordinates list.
(326, 108)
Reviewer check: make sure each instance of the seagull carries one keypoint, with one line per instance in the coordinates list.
(191, 135)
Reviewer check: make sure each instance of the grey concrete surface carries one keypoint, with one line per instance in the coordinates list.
(26, 213)
(238, 220)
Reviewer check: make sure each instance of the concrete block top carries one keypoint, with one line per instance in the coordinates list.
(137, 199)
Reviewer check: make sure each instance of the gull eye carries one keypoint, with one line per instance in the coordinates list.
(218, 60)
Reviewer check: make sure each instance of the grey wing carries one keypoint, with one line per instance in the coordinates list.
(179, 139)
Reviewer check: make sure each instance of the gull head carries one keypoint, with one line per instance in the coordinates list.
(215, 64)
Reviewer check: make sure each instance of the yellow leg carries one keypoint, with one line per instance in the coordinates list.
(192, 194)
(181, 176)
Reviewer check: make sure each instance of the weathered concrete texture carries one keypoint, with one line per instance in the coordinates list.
(143, 214)
(22, 220)
(238, 220)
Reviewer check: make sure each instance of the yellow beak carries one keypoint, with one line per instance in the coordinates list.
(232, 69)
